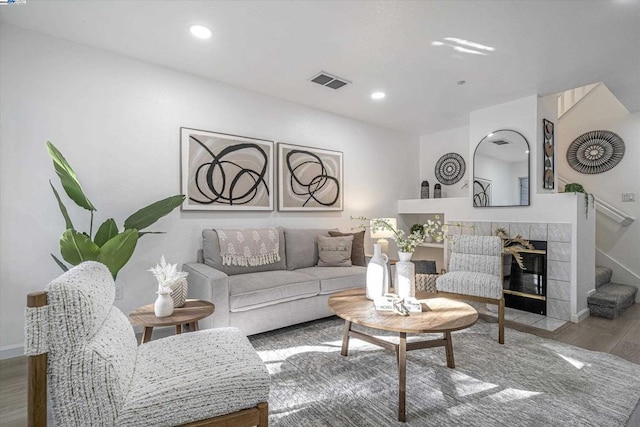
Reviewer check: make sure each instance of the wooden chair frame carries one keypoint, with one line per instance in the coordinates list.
(37, 392)
(498, 302)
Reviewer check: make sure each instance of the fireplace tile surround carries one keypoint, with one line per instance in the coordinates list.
(558, 237)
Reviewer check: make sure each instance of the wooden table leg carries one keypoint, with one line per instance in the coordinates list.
(402, 376)
(345, 338)
(193, 326)
(178, 329)
(146, 334)
(449, 349)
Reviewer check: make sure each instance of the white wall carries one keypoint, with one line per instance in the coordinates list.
(117, 122)
(434, 146)
(601, 110)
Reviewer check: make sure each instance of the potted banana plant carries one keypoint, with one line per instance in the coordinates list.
(111, 245)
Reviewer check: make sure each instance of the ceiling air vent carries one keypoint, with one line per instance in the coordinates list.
(500, 142)
(328, 80)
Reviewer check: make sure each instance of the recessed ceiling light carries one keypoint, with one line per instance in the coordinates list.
(437, 44)
(378, 95)
(200, 31)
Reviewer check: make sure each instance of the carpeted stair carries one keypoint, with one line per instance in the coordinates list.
(610, 299)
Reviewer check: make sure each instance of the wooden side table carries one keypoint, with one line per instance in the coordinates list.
(189, 314)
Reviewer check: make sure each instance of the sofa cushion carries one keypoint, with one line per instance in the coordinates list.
(212, 257)
(334, 279)
(301, 246)
(334, 251)
(357, 247)
(253, 290)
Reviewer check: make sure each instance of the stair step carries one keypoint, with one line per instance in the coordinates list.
(603, 276)
(611, 300)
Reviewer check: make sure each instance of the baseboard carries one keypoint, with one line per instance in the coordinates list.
(591, 292)
(11, 351)
(580, 316)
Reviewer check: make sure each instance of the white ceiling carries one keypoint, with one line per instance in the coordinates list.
(274, 47)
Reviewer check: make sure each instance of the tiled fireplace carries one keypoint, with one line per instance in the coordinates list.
(558, 239)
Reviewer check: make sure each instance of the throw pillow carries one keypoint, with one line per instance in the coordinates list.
(357, 248)
(334, 251)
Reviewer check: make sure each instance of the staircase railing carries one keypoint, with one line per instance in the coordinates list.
(605, 208)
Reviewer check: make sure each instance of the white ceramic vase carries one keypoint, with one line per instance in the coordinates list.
(405, 280)
(163, 306)
(377, 273)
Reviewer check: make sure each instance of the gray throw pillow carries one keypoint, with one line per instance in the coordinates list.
(301, 246)
(334, 251)
(357, 248)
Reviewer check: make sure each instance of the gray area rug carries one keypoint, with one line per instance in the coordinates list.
(528, 381)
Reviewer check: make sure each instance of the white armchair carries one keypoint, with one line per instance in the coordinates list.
(98, 375)
(475, 273)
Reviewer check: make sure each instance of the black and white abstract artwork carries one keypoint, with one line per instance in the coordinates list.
(226, 172)
(481, 192)
(309, 179)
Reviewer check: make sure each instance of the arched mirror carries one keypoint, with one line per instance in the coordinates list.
(501, 170)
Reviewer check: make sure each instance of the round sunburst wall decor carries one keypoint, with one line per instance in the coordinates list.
(595, 152)
(450, 168)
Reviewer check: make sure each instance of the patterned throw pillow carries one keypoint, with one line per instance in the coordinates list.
(334, 251)
(357, 248)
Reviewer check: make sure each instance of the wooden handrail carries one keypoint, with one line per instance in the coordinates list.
(37, 375)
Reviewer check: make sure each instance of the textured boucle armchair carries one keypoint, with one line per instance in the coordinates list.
(99, 376)
(475, 273)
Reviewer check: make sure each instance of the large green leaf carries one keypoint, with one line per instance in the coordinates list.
(77, 247)
(63, 208)
(150, 214)
(118, 250)
(107, 231)
(68, 178)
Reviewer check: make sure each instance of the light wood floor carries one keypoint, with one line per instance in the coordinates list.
(620, 337)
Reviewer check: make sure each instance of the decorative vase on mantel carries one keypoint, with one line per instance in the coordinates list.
(405, 280)
(377, 274)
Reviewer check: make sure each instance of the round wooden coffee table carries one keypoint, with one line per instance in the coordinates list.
(189, 314)
(438, 315)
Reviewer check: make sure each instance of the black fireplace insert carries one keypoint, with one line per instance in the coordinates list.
(526, 289)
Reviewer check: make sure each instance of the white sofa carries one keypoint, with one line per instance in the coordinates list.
(263, 298)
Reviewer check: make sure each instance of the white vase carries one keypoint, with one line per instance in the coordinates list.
(163, 306)
(377, 273)
(405, 280)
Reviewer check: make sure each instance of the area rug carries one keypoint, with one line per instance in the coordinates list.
(528, 381)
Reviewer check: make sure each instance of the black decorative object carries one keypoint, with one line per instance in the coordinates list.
(595, 152)
(450, 168)
(437, 191)
(549, 154)
(424, 190)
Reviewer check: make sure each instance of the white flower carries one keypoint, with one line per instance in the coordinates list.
(168, 276)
